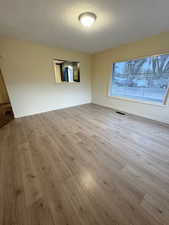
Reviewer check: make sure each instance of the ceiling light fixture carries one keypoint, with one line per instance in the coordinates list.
(87, 18)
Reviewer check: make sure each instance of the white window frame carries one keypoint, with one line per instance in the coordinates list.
(166, 96)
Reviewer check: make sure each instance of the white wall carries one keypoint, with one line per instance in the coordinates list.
(102, 70)
(29, 76)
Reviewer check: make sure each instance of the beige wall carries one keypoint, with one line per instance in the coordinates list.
(29, 75)
(102, 70)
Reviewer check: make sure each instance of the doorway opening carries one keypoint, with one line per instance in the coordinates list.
(6, 112)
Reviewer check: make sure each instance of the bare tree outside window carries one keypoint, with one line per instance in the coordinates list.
(144, 79)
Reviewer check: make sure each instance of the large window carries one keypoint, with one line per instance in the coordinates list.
(144, 79)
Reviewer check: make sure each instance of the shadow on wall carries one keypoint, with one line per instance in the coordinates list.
(6, 113)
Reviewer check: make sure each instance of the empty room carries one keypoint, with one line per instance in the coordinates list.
(84, 112)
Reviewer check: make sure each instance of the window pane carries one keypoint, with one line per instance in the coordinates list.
(145, 79)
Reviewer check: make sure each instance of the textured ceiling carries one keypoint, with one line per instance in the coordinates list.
(55, 22)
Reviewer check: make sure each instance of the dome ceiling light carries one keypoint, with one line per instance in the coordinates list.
(87, 19)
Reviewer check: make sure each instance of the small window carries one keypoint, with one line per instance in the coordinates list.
(66, 71)
(144, 79)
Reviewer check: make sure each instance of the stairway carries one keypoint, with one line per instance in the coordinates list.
(6, 114)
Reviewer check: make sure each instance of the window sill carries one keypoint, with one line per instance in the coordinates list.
(138, 101)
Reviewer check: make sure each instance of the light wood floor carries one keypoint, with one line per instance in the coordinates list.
(85, 165)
